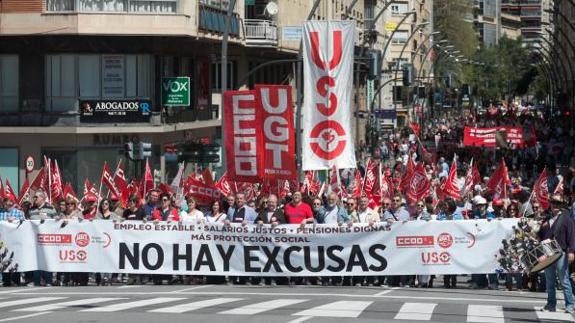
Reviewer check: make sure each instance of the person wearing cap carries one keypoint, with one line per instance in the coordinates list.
(560, 227)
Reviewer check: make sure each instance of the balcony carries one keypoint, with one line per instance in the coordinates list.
(213, 20)
(260, 33)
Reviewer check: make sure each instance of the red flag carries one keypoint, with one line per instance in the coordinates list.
(48, 182)
(306, 182)
(134, 188)
(357, 184)
(108, 180)
(56, 181)
(89, 189)
(224, 185)
(69, 192)
(419, 185)
(248, 189)
(472, 178)
(499, 181)
(285, 189)
(165, 188)
(385, 186)
(315, 185)
(24, 194)
(370, 181)
(415, 127)
(450, 187)
(207, 177)
(560, 188)
(406, 177)
(9, 193)
(148, 182)
(40, 180)
(334, 181)
(2, 191)
(541, 190)
(122, 185)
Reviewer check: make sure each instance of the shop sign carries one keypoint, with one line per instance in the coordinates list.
(113, 111)
(176, 91)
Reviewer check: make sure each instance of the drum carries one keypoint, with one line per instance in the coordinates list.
(542, 256)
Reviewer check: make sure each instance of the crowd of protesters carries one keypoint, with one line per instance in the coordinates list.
(435, 146)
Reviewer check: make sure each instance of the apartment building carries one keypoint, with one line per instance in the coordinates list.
(60, 58)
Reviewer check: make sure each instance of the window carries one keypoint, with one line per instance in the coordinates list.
(9, 83)
(94, 77)
(145, 6)
(217, 73)
(398, 9)
(9, 166)
(400, 37)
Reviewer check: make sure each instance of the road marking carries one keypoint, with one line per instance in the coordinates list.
(15, 318)
(80, 302)
(191, 288)
(23, 290)
(485, 314)
(195, 305)
(263, 307)
(385, 292)
(301, 319)
(415, 311)
(129, 286)
(557, 316)
(337, 309)
(130, 305)
(29, 301)
(275, 294)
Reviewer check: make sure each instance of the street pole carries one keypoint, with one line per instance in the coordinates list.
(224, 71)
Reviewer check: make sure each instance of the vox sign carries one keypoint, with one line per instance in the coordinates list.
(176, 91)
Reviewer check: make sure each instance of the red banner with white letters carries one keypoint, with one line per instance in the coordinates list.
(243, 137)
(487, 137)
(275, 112)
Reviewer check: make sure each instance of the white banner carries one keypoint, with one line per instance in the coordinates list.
(328, 88)
(418, 247)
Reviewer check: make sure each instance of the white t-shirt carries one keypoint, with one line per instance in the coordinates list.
(331, 216)
(193, 216)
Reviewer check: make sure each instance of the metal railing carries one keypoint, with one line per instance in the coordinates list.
(260, 32)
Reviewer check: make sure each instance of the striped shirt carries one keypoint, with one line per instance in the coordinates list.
(12, 213)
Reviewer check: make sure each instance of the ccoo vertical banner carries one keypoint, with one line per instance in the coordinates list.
(275, 109)
(328, 77)
(244, 162)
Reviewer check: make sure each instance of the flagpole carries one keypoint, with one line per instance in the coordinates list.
(114, 177)
(144, 192)
(100, 190)
(49, 178)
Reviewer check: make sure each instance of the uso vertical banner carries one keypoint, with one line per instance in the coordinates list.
(328, 78)
(275, 111)
(244, 164)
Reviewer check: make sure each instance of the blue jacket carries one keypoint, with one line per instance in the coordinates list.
(342, 216)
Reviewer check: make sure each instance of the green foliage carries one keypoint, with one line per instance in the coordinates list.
(454, 20)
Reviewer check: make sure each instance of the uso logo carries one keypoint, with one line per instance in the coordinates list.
(82, 239)
(445, 240)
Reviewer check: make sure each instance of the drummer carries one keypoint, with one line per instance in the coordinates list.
(559, 226)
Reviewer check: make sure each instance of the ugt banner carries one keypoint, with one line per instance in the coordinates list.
(328, 85)
(487, 137)
(412, 248)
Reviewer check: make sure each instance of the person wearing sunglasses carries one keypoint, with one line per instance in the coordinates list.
(133, 210)
(559, 226)
(421, 213)
(165, 212)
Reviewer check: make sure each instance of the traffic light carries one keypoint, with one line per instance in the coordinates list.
(375, 65)
(129, 150)
(145, 150)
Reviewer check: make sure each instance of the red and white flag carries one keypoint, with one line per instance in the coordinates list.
(178, 181)
(10, 192)
(108, 180)
(419, 185)
(541, 190)
(306, 182)
(285, 189)
(334, 183)
(40, 180)
(357, 184)
(207, 177)
(224, 185)
(148, 182)
(2, 190)
(450, 187)
(499, 181)
(69, 192)
(24, 194)
(385, 186)
(406, 177)
(122, 184)
(472, 178)
(328, 49)
(56, 183)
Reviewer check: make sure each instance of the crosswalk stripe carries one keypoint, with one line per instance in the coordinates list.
(263, 307)
(337, 309)
(29, 301)
(557, 316)
(195, 305)
(485, 314)
(416, 311)
(130, 305)
(80, 302)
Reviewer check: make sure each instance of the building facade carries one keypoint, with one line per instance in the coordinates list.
(60, 59)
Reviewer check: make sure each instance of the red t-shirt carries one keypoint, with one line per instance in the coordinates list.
(296, 214)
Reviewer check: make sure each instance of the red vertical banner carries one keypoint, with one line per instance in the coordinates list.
(275, 109)
(243, 139)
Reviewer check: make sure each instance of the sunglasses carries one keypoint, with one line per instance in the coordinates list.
(317, 204)
(165, 200)
(387, 204)
(397, 200)
(419, 205)
(68, 204)
(351, 204)
(132, 201)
